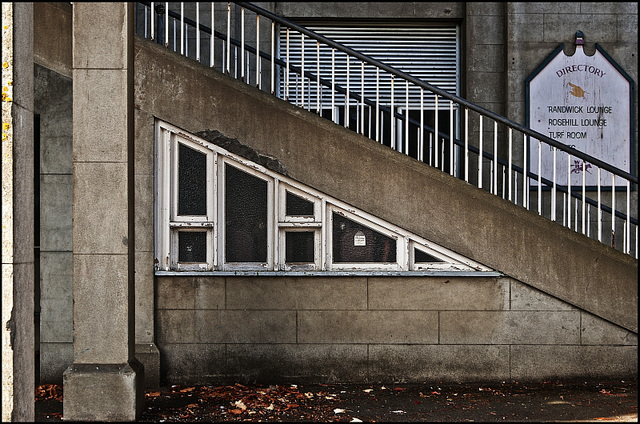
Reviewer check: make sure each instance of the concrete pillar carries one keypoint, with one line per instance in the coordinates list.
(18, 365)
(105, 381)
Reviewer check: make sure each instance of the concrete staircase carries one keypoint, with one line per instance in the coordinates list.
(392, 186)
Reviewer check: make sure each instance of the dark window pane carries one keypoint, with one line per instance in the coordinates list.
(192, 181)
(353, 242)
(299, 247)
(192, 246)
(297, 206)
(421, 256)
(245, 217)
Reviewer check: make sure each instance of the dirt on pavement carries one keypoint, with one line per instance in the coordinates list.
(549, 401)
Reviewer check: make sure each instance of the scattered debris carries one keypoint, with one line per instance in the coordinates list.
(513, 401)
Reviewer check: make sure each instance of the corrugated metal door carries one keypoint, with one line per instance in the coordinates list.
(429, 53)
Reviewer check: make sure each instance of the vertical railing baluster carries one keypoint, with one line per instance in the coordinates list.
(393, 118)
(258, 61)
(228, 37)
(146, 23)
(430, 148)
(539, 177)
(627, 249)
(378, 124)
(302, 66)
(318, 87)
(451, 145)
(569, 190)
(347, 100)
(153, 21)
(286, 78)
(421, 141)
(181, 28)
(495, 157)
(362, 97)
(553, 188)
(584, 196)
(436, 134)
(273, 57)
(166, 24)
(510, 162)
(406, 119)
(599, 207)
(525, 176)
(466, 145)
(613, 210)
(247, 67)
(480, 152)
(503, 182)
(242, 76)
(198, 31)
(333, 84)
(213, 38)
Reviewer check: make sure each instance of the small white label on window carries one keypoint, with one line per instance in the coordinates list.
(359, 239)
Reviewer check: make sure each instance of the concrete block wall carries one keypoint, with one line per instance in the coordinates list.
(53, 103)
(378, 329)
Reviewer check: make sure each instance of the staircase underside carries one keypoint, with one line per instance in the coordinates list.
(387, 184)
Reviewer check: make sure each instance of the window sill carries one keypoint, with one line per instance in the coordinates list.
(342, 273)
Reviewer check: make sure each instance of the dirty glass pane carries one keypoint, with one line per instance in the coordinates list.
(192, 181)
(192, 246)
(353, 242)
(245, 217)
(297, 206)
(421, 256)
(299, 246)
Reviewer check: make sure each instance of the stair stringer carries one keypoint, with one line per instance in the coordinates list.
(387, 184)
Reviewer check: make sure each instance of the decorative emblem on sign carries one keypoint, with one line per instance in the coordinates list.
(576, 91)
(584, 102)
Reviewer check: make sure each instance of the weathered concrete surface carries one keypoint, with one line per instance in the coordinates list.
(445, 210)
(105, 382)
(18, 371)
(89, 392)
(374, 329)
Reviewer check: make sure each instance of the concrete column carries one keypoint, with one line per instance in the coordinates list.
(18, 365)
(105, 381)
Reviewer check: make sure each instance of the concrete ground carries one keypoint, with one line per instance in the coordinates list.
(546, 401)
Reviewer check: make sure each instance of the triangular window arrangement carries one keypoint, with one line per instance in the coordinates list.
(218, 211)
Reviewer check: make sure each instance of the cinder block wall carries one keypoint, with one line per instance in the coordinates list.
(378, 329)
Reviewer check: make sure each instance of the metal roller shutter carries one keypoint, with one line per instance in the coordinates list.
(429, 53)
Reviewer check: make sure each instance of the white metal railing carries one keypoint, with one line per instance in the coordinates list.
(477, 145)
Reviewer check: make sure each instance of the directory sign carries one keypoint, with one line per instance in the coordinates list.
(584, 102)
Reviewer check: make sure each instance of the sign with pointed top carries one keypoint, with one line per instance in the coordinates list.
(584, 102)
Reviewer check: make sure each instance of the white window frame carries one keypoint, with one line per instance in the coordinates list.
(292, 223)
(244, 167)
(168, 223)
(398, 265)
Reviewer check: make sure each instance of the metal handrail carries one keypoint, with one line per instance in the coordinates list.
(472, 106)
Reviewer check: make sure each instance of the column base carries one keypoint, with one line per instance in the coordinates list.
(103, 392)
(149, 355)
